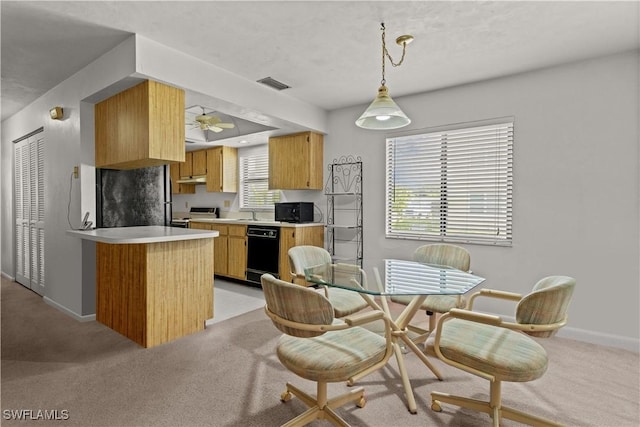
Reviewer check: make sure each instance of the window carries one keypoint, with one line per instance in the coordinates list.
(451, 185)
(254, 183)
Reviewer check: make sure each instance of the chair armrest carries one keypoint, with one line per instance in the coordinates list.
(299, 279)
(473, 316)
(493, 293)
(362, 318)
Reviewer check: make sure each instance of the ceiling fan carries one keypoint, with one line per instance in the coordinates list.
(210, 122)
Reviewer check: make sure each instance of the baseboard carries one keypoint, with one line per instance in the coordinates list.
(6, 276)
(599, 338)
(65, 310)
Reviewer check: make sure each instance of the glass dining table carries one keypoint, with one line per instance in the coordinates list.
(400, 277)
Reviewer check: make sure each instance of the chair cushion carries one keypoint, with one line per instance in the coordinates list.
(333, 357)
(434, 303)
(508, 355)
(345, 302)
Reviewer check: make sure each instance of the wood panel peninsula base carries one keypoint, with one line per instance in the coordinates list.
(155, 289)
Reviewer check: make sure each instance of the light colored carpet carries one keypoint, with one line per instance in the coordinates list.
(228, 375)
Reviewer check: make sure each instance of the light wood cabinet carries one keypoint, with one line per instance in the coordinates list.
(154, 293)
(195, 164)
(295, 161)
(186, 167)
(237, 258)
(174, 170)
(297, 236)
(221, 250)
(222, 169)
(140, 127)
(199, 162)
(230, 250)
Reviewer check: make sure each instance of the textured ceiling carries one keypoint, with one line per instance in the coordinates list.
(329, 52)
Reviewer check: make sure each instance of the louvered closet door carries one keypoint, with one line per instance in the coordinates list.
(29, 194)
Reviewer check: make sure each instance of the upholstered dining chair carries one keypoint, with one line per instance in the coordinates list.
(318, 347)
(439, 254)
(497, 350)
(344, 302)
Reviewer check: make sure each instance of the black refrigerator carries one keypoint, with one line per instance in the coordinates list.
(134, 197)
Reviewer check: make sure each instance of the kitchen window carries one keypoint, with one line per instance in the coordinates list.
(254, 183)
(451, 184)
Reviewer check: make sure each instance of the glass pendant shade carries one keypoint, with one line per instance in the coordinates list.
(383, 113)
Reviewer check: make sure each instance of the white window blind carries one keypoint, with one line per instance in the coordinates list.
(452, 186)
(254, 183)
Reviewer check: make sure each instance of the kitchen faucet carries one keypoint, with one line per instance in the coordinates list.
(253, 215)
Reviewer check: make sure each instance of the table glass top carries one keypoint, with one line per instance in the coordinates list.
(400, 277)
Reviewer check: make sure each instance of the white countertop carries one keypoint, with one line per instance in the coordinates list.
(242, 221)
(148, 234)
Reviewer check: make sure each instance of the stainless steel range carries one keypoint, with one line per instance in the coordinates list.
(196, 213)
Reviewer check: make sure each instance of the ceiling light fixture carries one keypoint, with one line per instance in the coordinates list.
(383, 113)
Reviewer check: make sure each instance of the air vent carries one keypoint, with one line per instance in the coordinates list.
(273, 83)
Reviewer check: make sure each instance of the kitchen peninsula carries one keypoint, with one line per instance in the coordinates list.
(153, 284)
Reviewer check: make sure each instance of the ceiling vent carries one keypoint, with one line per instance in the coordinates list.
(273, 83)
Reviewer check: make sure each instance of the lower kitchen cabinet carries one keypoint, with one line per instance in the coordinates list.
(237, 252)
(297, 236)
(221, 249)
(230, 248)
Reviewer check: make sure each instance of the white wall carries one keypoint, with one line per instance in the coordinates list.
(64, 149)
(576, 185)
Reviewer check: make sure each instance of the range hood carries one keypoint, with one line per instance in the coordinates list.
(196, 179)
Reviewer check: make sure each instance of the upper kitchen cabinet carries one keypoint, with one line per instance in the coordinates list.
(176, 170)
(140, 127)
(199, 163)
(295, 161)
(222, 169)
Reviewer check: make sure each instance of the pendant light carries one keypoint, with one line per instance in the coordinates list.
(383, 113)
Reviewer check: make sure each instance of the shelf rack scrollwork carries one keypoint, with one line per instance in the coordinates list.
(344, 218)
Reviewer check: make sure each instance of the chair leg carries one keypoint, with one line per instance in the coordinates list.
(477, 405)
(494, 407)
(532, 420)
(293, 390)
(495, 401)
(305, 418)
(321, 407)
(353, 395)
(330, 415)
(432, 320)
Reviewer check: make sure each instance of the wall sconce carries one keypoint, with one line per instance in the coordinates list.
(383, 113)
(56, 113)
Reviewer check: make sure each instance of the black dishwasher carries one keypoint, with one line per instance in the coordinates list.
(263, 251)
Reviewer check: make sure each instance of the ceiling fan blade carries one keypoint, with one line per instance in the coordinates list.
(226, 125)
(215, 129)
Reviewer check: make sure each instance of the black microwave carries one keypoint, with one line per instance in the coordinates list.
(294, 212)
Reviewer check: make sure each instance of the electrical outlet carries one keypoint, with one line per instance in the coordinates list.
(186, 205)
(75, 172)
(227, 203)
